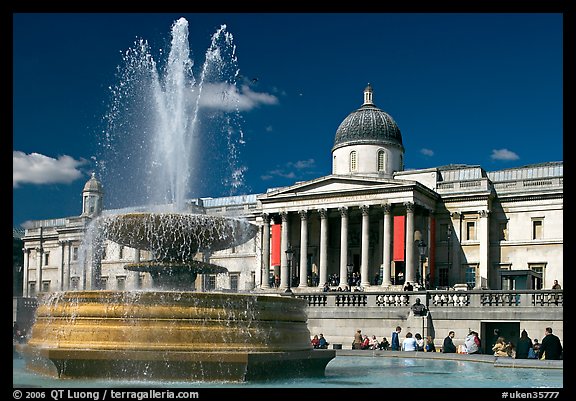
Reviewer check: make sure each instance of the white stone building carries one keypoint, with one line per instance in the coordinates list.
(449, 226)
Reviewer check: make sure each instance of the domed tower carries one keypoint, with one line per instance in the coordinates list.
(92, 197)
(368, 142)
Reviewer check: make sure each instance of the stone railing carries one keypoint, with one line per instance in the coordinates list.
(437, 299)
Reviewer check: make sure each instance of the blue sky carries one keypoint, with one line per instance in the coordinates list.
(463, 88)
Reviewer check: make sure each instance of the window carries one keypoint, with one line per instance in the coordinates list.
(506, 283)
(140, 282)
(121, 252)
(353, 161)
(46, 286)
(537, 283)
(503, 231)
(75, 282)
(103, 282)
(443, 276)
(470, 276)
(381, 160)
(75, 253)
(471, 230)
(46, 258)
(443, 234)
(234, 280)
(210, 282)
(32, 288)
(104, 251)
(334, 164)
(537, 228)
(121, 282)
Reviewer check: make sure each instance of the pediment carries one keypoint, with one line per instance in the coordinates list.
(336, 184)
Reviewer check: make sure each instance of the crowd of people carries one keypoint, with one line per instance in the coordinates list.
(550, 348)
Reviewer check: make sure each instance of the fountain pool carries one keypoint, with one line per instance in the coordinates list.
(363, 371)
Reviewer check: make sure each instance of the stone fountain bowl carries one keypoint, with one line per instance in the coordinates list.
(172, 335)
(177, 236)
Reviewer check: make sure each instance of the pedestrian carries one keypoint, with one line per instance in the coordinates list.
(556, 286)
(396, 339)
(551, 347)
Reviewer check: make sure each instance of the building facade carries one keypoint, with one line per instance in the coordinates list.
(369, 225)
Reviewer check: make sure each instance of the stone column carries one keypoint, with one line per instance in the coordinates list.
(62, 249)
(303, 248)
(265, 279)
(410, 265)
(364, 275)
(343, 246)
(26, 268)
(284, 276)
(39, 253)
(387, 256)
(484, 238)
(323, 268)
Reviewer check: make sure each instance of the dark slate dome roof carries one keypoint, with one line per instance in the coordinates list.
(93, 185)
(368, 125)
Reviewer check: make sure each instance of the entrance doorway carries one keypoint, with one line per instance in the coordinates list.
(490, 331)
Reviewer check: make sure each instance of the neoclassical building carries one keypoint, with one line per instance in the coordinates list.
(454, 226)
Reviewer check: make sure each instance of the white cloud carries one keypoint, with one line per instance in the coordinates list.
(291, 170)
(302, 164)
(427, 152)
(503, 154)
(223, 96)
(35, 168)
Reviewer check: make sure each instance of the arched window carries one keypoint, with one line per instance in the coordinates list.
(381, 160)
(353, 161)
(334, 164)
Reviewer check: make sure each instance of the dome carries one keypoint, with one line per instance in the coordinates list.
(93, 185)
(368, 125)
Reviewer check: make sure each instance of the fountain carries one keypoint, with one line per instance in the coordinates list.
(170, 332)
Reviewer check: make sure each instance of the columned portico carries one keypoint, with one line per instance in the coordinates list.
(410, 266)
(303, 248)
(343, 246)
(284, 275)
(387, 251)
(323, 247)
(264, 281)
(364, 276)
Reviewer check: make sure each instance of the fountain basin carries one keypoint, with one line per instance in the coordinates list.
(172, 335)
(177, 236)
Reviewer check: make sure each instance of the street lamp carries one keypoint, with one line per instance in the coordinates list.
(289, 256)
(422, 249)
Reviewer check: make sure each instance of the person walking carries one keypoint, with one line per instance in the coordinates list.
(395, 346)
(551, 347)
(448, 346)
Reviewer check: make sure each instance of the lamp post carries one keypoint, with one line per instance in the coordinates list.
(422, 249)
(289, 256)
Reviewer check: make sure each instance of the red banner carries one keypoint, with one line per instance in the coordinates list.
(276, 240)
(399, 238)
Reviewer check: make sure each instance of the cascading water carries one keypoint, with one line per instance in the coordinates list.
(169, 331)
(165, 126)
